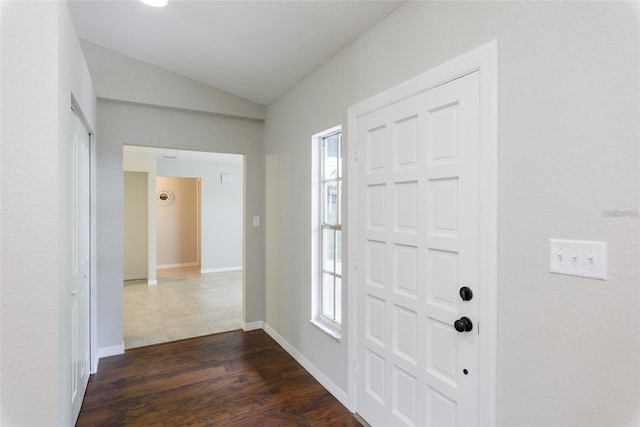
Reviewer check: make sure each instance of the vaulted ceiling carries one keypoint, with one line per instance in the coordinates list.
(254, 49)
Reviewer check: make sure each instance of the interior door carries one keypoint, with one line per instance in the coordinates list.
(418, 246)
(81, 247)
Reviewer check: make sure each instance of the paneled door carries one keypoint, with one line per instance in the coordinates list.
(418, 249)
(80, 263)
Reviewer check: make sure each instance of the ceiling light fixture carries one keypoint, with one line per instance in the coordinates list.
(155, 3)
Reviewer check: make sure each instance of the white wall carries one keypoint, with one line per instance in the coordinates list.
(569, 350)
(221, 210)
(136, 225)
(42, 68)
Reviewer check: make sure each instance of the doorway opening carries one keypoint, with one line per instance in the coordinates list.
(183, 244)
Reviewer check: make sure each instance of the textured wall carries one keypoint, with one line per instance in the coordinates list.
(569, 351)
(29, 184)
(42, 69)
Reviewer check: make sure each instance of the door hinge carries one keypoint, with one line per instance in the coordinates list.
(355, 260)
(356, 367)
(355, 151)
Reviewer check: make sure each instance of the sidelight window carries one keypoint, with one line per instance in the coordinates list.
(327, 211)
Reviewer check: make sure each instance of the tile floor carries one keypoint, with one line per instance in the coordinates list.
(184, 304)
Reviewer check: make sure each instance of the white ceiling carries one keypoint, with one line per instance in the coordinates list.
(254, 49)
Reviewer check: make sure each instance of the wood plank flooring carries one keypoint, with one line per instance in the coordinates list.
(234, 378)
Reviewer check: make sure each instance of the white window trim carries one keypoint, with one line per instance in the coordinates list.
(326, 325)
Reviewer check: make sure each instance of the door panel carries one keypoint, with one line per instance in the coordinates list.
(81, 247)
(418, 229)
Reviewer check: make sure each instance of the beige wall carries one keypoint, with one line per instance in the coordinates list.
(569, 348)
(177, 223)
(135, 225)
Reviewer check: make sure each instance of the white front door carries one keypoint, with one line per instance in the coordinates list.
(418, 245)
(80, 259)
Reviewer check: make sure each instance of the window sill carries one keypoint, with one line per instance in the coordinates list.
(331, 330)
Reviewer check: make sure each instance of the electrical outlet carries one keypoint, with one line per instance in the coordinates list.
(578, 258)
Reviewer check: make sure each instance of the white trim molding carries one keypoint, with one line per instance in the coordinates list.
(179, 265)
(484, 60)
(114, 350)
(135, 277)
(93, 334)
(251, 326)
(331, 387)
(220, 269)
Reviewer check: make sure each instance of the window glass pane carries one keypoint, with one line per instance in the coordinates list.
(328, 248)
(339, 155)
(331, 154)
(338, 304)
(327, 296)
(338, 250)
(330, 187)
(339, 202)
(330, 203)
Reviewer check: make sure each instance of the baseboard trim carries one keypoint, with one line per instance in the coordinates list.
(135, 277)
(251, 326)
(361, 420)
(220, 270)
(179, 265)
(114, 350)
(336, 391)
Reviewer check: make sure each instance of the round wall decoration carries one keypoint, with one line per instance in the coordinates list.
(165, 197)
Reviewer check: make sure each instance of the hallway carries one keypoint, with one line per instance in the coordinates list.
(184, 304)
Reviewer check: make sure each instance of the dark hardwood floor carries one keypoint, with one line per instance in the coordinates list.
(235, 378)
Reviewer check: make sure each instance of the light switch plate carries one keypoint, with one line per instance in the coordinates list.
(256, 221)
(226, 178)
(578, 258)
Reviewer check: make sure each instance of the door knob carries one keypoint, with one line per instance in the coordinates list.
(466, 293)
(463, 324)
(73, 293)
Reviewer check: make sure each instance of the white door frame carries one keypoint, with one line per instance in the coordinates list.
(93, 261)
(93, 286)
(484, 60)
